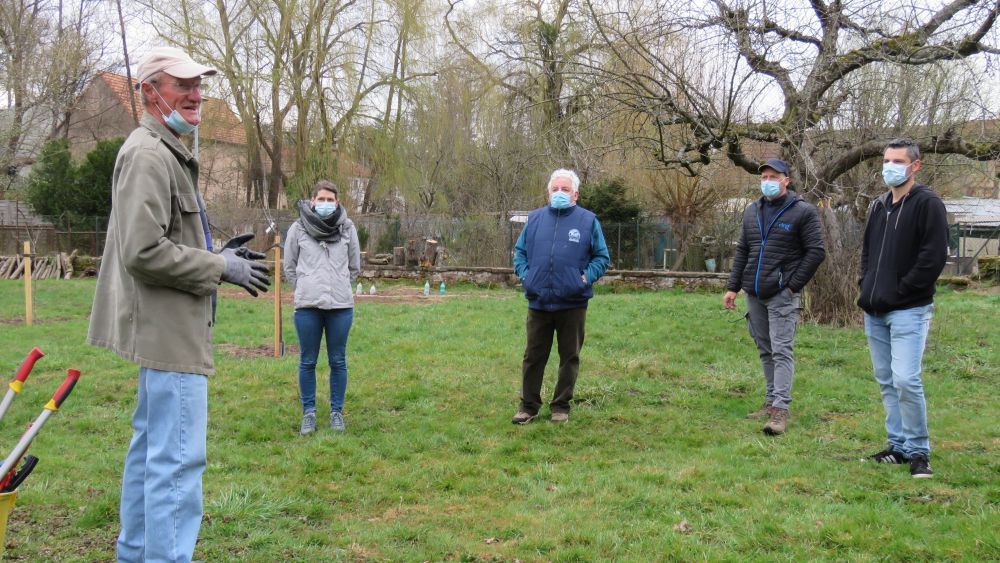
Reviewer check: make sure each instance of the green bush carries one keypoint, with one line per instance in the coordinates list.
(58, 187)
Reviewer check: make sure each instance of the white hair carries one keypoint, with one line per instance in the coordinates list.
(565, 173)
(153, 79)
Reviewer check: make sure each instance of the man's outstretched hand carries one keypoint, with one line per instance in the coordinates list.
(242, 266)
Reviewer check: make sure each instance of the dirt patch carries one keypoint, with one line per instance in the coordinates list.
(20, 320)
(253, 352)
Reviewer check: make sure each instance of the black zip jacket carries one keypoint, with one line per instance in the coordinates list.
(904, 251)
(785, 252)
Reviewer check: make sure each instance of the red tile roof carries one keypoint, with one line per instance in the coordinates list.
(218, 122)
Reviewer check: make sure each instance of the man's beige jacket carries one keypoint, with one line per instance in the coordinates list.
(153, 301)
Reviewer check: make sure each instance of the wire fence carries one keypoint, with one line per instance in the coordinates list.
(474, 240)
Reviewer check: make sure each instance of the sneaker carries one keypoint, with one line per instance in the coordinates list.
(763, 412)
(308, 423)
(560, 417)
(920, 467)
(889, 455)
(778, 422)
(523, 418)
(336, 421)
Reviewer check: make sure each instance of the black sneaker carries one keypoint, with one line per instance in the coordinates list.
(889, 455)
(920, 467)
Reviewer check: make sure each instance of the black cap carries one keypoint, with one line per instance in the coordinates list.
(777, 165)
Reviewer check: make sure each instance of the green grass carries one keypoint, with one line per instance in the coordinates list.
(432, 469)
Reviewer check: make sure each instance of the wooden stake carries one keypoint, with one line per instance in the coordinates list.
(278, 348)
(29, 312)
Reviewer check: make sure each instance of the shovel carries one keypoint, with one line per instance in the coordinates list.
(6, 471)
(18, 383)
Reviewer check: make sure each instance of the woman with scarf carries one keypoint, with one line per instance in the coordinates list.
(322, 261)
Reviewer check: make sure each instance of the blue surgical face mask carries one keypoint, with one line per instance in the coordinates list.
(325, 208)
(175, 120)
(894, 174)
(559, 200)
(770, 188)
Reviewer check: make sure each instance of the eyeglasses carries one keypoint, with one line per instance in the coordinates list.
(182, 88)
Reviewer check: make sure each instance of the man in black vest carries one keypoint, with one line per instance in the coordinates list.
(560, 254)
(780, 248)
(904, 252)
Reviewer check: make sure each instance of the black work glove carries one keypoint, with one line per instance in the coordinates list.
(238, 243)
(248, 274)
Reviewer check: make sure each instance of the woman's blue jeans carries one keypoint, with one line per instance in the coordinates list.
(310, 325)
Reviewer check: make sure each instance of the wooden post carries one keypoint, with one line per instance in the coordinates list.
(279, 348)
(398, 256)
(430, 246)
(28, 304)
(411, 253)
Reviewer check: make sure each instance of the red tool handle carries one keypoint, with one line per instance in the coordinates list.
(72, 375)
(29, 362)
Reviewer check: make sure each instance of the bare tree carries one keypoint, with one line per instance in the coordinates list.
(802, 56)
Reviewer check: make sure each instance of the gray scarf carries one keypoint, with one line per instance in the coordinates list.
(326, 229)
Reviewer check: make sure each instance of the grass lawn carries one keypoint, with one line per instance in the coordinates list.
(657, 461)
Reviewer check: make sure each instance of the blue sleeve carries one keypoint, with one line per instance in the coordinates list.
(600, 259)
(521, 255)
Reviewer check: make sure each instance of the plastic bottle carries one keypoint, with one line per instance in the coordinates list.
(441, 289)
(360, 289)
(427, 288)
(371, 290)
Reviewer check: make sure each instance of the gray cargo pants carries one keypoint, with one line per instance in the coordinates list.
(772, 323)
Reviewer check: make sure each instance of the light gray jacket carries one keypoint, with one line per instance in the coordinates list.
(322, 273)
(153, 301)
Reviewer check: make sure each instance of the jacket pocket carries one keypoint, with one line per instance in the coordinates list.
(188, 219)
(530, 290)
(568, 283)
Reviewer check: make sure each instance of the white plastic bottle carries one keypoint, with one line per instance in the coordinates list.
(371, 290)
(427, 288)
(360, 289)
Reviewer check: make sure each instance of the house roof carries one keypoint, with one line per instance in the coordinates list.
(219, 123)
(976, 210)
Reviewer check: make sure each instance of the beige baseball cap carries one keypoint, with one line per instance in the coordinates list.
(173, 61)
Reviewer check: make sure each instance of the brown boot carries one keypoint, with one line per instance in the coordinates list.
(778, 422)
(763, 412)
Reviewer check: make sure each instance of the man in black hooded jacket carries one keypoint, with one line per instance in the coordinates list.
(904, 252)
(780, 248)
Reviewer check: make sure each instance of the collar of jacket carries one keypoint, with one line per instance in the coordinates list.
(886, 200)
(167, 136)
(790, 195)
(561, 212)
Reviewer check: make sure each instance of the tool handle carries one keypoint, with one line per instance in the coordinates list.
(72, 375)
(17, 476)
(25, 369)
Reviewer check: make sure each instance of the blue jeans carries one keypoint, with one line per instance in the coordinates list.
(310, 324)
(897, 341)
(161, 485)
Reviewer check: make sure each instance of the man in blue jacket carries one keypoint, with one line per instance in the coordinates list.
(780, 248)
(560, 254)
(904, 252)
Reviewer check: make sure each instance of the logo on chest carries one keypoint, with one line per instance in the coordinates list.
(785, 226)
(574, 235)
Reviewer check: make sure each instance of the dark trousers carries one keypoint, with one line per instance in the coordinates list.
(568, 327)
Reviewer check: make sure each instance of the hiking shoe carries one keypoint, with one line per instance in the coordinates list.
(308, 423)
(336, 421)
(763, 412)
(560, 417)
(889, 455)
(920, 467)
(523, 418)
(778, 422)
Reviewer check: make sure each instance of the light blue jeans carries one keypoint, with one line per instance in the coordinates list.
(897, 340)
(161, 485)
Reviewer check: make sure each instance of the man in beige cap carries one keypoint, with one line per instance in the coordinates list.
(155, 305)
